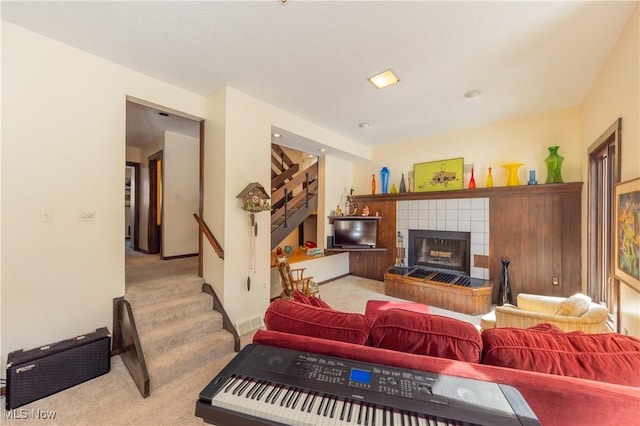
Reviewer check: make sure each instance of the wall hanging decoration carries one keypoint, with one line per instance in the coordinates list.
(627, 232)
(512, 168)
(554, 165)
(438, 175)
(254, 198)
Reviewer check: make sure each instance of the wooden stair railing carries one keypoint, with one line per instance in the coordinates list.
(293, 202)
(226, 321)
(207, 288)
(130, 348)
(212, 240)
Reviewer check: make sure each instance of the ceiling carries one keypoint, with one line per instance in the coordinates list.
(313, 58)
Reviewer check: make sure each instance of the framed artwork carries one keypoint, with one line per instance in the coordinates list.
(440, 175)
(627, 233)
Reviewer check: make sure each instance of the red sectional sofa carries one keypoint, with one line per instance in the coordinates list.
(554, 371)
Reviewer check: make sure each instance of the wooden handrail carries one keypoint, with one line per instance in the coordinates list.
(212, 240)
(295, 182)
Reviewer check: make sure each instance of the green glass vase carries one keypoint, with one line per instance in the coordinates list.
(554, 165)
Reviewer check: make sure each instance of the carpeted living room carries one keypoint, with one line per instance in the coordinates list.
(114, 399)
(333, 212)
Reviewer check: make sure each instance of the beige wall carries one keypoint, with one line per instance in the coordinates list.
(234, 132)
(616, 93)
(63, 150)
(181, 194)
(520, 140)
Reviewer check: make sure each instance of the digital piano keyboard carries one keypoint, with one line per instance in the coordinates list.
(265, 385)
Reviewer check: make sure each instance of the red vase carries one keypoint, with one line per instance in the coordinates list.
(472, 181)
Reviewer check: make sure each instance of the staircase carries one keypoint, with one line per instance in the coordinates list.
(294, 194)
(178, 328)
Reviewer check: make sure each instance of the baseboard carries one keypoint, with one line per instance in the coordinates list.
(180, 256)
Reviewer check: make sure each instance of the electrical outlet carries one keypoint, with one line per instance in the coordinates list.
(555, 281)
(46, 215)
(87, 215)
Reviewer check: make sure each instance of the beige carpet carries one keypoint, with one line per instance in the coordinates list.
(113, 399)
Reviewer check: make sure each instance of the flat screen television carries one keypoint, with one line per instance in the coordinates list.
(355, 233)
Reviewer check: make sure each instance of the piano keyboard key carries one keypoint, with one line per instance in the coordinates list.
(294, 406)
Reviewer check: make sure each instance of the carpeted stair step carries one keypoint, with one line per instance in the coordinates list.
(166, 290)
(158, 314)
(179, 333)
(182, 359)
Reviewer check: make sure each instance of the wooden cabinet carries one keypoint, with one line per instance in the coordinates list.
(368, 264)
(538, 228)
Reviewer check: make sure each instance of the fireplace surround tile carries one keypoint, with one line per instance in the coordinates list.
(456, 214)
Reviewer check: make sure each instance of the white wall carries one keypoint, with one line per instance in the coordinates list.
(239, 124)
(63, 151)
(181, 190)
(616, 93)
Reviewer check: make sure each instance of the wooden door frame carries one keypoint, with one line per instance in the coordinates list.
(612, 138)
(154, 237)
(136, 204)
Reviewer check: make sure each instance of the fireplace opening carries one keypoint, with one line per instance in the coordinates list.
(448, 250)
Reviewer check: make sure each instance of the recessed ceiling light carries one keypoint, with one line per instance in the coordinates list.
(364, 125)
(321, 150)
(384, 79)
(473, 93)
(276, 135)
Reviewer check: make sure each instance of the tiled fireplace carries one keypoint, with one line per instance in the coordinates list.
(460, 216)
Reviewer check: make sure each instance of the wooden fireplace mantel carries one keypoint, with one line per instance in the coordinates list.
(536, 227)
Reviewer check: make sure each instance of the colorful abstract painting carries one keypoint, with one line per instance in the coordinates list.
(627, 241)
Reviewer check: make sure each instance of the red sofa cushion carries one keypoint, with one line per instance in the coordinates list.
(556, 400)
(375, 307)
(607, 357)
(325, 323)
(426, 334)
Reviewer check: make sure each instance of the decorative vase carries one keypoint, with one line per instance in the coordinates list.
(394, 190)
(504, 295)
(512, 168)
(489, 179)
(373, 184)
(472, 181)
(554, 165)
(403, 186)
(384, 177)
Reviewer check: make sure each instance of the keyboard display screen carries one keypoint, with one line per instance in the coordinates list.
(360, 376)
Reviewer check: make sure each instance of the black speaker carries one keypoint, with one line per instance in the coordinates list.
(43, 371)
(330, 241)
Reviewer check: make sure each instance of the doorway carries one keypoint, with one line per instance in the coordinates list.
(155, 204)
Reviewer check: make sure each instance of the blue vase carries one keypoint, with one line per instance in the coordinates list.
(384, 177)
